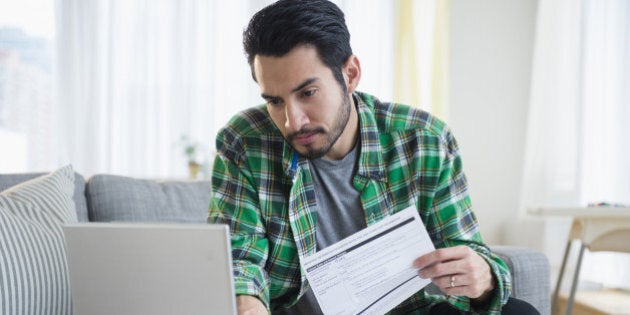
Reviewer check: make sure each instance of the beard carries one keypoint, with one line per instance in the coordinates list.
(343, 115)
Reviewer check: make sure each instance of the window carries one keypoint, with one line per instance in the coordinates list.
(27, 107)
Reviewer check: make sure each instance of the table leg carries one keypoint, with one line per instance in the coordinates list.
(576, 277)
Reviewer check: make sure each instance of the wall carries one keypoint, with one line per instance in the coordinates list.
(490, 66)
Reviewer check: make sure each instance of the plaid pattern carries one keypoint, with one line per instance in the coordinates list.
(264, 191)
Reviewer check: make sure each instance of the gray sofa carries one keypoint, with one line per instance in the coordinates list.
(106, 198)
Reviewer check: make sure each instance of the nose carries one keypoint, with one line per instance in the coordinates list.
(295, 116)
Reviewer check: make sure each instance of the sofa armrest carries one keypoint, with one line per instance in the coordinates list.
(530, 275)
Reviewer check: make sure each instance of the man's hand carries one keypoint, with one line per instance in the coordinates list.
(250, 305)
(457, 271)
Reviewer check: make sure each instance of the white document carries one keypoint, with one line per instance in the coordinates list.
(370, 272)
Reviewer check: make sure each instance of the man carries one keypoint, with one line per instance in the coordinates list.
(320, 161)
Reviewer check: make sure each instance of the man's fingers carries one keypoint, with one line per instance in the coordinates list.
(451, 281)
(459, 284)
(456, 271)
(441, 255)
(441, 269)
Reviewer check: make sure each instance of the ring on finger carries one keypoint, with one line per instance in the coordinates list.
(452, 284)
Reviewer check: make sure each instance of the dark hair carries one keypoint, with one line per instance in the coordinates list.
(286, 24)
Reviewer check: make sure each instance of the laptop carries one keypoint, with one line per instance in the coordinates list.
(131, 268)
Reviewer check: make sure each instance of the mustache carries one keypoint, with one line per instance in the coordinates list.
(305, 131)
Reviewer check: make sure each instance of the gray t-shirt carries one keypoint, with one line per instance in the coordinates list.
(339, 212)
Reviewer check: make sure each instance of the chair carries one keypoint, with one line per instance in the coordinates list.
(597, 233)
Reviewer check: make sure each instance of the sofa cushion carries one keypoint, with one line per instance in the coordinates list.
(33, 267)
(118, 198)
(8, 180)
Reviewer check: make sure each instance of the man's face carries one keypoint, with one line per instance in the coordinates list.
(306, 103)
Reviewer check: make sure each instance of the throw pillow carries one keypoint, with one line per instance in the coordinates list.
(33, 267)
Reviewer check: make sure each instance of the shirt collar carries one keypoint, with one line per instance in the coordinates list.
(371, 163)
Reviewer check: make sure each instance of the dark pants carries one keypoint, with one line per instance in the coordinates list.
(513, 306)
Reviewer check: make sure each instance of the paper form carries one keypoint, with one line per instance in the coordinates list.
(370, 272)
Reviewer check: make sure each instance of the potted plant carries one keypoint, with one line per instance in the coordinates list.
(192, 150)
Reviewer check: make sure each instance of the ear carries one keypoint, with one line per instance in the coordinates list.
(352, 73)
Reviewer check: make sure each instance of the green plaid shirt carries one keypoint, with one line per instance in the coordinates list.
(263, 190)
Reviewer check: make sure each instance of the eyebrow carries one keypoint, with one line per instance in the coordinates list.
(297, 88)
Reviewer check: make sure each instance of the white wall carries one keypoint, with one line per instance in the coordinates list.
(491, 57)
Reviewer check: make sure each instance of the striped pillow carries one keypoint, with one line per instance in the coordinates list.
(33, 268)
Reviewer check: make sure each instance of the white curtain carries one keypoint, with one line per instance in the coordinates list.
(134, 76)
(372, 33)
(578, 143)
(403, 49)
